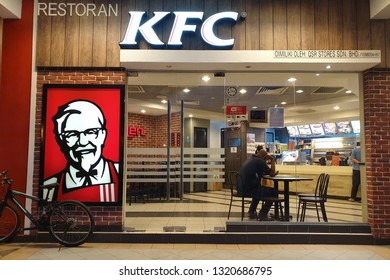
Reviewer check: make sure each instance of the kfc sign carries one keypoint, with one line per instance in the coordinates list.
(133, 131)
(179, 26)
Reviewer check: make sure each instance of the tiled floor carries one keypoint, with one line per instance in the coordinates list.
(207, 211)
(94, 251)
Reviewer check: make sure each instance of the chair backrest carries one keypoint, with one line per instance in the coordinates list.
(233, 179)
(320, 181)
(323, 191)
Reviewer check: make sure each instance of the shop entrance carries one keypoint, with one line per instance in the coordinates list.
(176, 172)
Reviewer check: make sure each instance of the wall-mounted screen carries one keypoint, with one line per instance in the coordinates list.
(304, 130)
(259, 116)
(317, 129)
(355, 126)
(293, 131)
(330, 128)
(290, 156)
(234, 142)
(344, 127)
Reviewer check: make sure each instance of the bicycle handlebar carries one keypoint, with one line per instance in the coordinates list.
(5, 179)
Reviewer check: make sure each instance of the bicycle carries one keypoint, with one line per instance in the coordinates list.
(68, 221)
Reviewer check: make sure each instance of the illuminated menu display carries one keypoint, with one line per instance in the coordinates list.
(304, 130)
(293, 131)
(330, 128)
(355, 126)
(317, 129)
(344, 127)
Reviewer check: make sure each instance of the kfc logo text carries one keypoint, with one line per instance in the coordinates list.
(178, 28)
(133, 131)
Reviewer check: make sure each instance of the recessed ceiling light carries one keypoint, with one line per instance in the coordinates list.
(254, 107)
(164, 101)
(190, 115)
(206, 78)
(283, 102)
(291, 80)
(242, 91)
(186, 90)
(336, 107)
(328, 66)
(348, 91)
(318, 74)
(299, 91)
(143, 111)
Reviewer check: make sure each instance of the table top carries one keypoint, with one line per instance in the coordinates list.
(281, 177)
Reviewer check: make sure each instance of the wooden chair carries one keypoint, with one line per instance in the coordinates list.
(232, 179)
(317, 200)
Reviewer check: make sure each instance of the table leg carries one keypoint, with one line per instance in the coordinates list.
(286, 201)
(276, 187)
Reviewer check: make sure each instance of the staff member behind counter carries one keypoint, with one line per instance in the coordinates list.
(252, 171)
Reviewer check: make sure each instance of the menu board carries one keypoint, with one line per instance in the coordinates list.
(355, 126)
(330, 128)
(317, 129)
(344, 127)
(293, 131)
(304, 130)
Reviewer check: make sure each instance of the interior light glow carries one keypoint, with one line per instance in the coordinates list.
(206, 78)
(291, 80)
(299, 91)
(242, 91)
(186, 90)
(336, 107)
(328, 67)
(143, 111)
(164, 101)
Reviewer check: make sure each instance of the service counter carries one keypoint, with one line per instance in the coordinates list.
(340, 182)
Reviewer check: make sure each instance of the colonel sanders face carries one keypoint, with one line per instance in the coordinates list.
(81, 133)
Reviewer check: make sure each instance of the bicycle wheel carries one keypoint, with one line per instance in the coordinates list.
(70, 223)
(9, 221)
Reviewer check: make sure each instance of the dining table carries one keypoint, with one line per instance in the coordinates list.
(286, 179)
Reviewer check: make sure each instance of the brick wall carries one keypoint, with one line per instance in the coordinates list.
(155, 128)
(104, 215)
(377, 129)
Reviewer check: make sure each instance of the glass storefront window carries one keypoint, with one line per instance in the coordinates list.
(196, 127)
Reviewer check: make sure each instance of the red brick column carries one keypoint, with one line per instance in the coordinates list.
(105, 216)
(377, 130)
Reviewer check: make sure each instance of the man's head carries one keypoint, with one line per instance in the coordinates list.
(262, 153)
(80, 129)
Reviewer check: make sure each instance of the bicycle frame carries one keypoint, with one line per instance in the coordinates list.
(11, 196)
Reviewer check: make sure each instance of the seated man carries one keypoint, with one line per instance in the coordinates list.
(252, 171)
